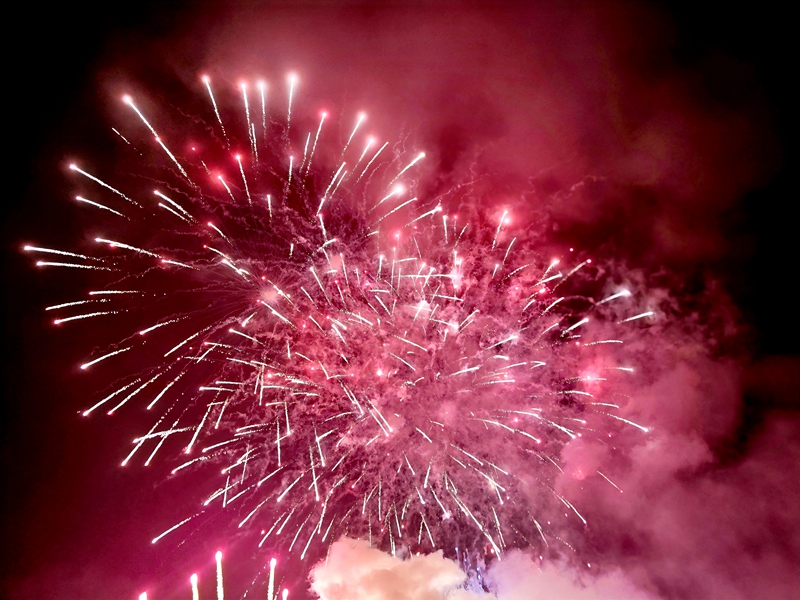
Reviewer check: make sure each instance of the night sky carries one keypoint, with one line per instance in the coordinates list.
(686, 118)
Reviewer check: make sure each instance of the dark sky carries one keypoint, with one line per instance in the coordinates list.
(706, 189)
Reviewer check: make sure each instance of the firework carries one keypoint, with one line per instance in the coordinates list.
(194, 581)
(340, 350)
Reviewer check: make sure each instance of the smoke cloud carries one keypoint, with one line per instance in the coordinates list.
(606, 141)
(355, 571)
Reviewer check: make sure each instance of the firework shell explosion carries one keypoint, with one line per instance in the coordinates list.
(340, 351)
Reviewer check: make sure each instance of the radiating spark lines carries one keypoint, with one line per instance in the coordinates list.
(340, 357)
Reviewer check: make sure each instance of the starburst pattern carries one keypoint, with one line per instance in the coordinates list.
(357, 356)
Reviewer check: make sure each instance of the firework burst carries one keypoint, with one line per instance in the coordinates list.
(343, 351)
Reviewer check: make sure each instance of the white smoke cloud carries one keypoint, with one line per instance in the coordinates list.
(517, 578)
(354, 571)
